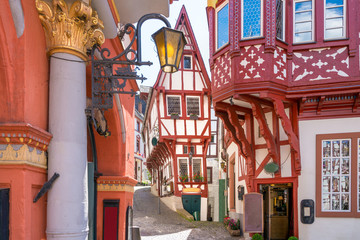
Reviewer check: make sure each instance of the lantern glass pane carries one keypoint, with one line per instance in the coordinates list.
(159, 38)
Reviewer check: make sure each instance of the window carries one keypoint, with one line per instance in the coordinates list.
(209, 174)
(338, 159)
(183, 167)
(303, 22)
(334, 19)
(138, 144)
(213, 138)
(185, 149)
(193, 106)
(252, 18)
(222, 24)
(187, 62)
(138, 126)
(196, 166)
(173, 105)
(280, 19)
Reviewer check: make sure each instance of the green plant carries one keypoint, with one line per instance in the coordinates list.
(257, 236)
(292, 238)
(184, 178)
(234, 225)
(226, 220)
(198, 177)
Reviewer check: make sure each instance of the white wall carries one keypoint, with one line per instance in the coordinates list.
(322, 228)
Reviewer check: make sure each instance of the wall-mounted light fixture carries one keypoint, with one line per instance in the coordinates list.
(110, 73)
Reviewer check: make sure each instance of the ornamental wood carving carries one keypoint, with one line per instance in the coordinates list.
(287, 126)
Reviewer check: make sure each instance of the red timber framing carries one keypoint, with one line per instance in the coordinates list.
(173, 134)
(235, 117)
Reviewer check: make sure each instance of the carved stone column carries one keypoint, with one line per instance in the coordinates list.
(70, 31)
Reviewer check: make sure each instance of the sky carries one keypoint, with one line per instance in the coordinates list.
(196, 10)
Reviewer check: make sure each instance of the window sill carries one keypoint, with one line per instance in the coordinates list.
(336, 39)
(304, 43)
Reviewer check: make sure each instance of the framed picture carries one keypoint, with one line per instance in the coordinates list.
(327, 148)
(326, 202)
(345, 148)
(336, 184)
(336, 148)
(345, 184)
(336, 166)
(326, 184)
(335, 201)
(345, 165)
(326, 166)
(345, 201)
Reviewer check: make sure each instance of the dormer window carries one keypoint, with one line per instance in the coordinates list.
(173, 105)
(193, 106)
(187, 62)
(252, 18)
(222, 25)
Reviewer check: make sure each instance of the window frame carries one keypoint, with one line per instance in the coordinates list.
(201, 166)
(188, 169)
(191, 62)
(167, 104)
(353, 212)
(211, 175)
(218, 9)
(312, 21)
(186, 99)
(283, 21)
(344, 23)
(261, 21)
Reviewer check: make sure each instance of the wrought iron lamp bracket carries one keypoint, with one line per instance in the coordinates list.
(110, 74)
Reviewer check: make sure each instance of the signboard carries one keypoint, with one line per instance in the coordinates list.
(253, 213)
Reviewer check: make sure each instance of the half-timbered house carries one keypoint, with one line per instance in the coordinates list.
(177, 127)
(285, 82)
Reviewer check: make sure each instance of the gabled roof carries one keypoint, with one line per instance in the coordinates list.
(183, 24)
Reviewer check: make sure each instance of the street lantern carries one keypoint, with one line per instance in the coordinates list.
(170, 45)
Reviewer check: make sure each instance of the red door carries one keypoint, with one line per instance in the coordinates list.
(111, 219)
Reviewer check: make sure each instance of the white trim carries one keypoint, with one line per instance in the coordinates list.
(167, 104)
(312, 20)
(344, 21)
(186, 98)
(261, 21)
(216, 25)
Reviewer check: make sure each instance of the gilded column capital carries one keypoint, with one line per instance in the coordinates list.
(211, 3)
(71, 30)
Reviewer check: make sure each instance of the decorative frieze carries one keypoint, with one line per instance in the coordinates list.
(71, 30)
(22, 154)
(115, 184)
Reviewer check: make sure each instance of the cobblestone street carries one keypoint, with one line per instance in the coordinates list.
(169, 224)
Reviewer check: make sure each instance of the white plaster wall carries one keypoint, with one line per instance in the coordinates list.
(260, 155)
(169, 124)
(200, 125)
(285, 152)
(179, 149)
(199, 150)
(180, 130)
(322, 228)
(188, 80)
(162, 105)
(176, 81)
(190, 127)
(198, 82)
(203, 210)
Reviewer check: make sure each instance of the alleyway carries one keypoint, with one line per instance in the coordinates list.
(168, 225)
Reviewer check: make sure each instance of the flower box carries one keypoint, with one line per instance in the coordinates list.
(233, 232)
(194, 117)
(175, 116)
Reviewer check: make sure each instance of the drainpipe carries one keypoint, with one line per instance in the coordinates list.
(96, 174)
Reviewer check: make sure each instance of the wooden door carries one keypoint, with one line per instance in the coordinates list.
(111, 219)
(4, 214)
